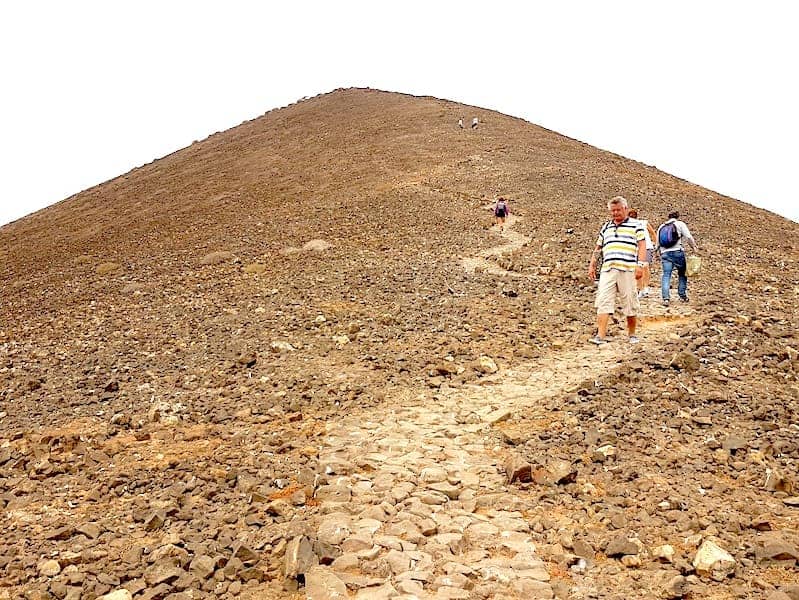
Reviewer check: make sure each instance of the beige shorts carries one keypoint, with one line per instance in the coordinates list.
(615, 282)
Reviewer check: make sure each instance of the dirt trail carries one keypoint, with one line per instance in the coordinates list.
(515, 240)
(429, 474)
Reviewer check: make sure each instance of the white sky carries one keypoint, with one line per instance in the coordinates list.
(704, 90)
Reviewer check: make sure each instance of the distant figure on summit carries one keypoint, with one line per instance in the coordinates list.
(622, 244)
(460, 123)
(475, 121)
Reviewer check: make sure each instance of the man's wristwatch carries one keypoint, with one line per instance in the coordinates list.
(643, 264)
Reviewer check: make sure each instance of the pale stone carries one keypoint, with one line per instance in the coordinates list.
(388, 541)
(316, 246)
(486, 365)
(357, 543)
(453, 541)
(664, 553)
(497, 416)
(405, 530)
(528, 588)
(512, 524)
(202, 566)
(369, 553)
(334, 529)
(49, 568)
(427, 527)
(368, 525)
(432, 498)
(346, 562)
(483, 535)
(322, 584)
(631, 561)
(300, 557)
(433, 475)
(450, 491)
(416, 575)
(384, 592)
(455, 580)
(450, 593)
(279, 346)
(516, 541)
(713, 561)
(410, 587)
(333, 493)
(398, 561)
(117, 595)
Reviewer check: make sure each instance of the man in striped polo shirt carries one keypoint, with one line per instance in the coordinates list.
(622, 243)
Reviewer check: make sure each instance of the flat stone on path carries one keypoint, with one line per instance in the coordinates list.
(322, 584)
(497, 416)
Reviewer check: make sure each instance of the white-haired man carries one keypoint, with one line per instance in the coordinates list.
(622, 244)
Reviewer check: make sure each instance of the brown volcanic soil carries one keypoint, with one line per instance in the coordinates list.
(150, 413)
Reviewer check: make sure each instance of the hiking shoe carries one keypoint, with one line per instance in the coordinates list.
(684, 298)
(598, 340)
(665, 301)
(634, 339)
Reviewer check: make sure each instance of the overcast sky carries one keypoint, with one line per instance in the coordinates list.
(703, 90)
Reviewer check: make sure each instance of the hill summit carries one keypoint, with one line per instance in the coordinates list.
(295, 359)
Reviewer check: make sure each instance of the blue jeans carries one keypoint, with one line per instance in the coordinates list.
(669, 261)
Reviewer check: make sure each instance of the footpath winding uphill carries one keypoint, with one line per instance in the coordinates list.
(443, 515)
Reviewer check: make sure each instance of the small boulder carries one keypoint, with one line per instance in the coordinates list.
(485, 365)
(215, 258)
(713, 561)
(518, 470)
(621, 546)
(676, 587)
(108, 268)
(49, 568)
(122, 594)
(685, 361)
(316, 246)
(323, 584)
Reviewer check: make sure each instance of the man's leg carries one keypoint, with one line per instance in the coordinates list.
(631, 323)
(629, 300)
(602, 325)
(605, 301)
(665, 280)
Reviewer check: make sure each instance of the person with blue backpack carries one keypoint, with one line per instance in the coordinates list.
(671, 237)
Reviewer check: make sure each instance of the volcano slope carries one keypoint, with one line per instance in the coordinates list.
(294, 360)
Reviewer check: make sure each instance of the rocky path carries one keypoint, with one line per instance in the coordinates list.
(438, 515)
(515, 240)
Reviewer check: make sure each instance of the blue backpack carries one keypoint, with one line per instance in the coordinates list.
(668, 235)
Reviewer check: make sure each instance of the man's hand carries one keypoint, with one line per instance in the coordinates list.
(592, 271)
(639, 272)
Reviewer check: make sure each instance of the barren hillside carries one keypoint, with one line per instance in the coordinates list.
(294, 360)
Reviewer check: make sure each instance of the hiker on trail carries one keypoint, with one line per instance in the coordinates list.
(622, 245)
(460, 123)
(475, 121)
(670, 237)
(501, 211)
(643, 283)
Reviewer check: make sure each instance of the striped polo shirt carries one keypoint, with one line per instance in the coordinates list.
(620, 244)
